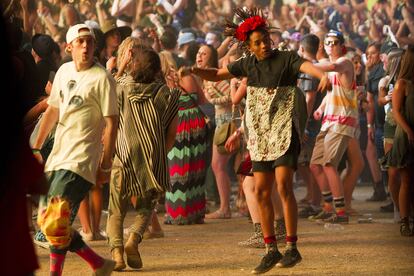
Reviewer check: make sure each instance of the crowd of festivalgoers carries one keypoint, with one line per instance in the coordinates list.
(123, 103)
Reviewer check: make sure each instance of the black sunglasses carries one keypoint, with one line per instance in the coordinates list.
(332, 42)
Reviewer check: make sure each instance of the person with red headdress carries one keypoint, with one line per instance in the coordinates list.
(275, 119)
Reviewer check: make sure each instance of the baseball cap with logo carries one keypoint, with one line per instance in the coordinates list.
(78, 30)
(338, 35)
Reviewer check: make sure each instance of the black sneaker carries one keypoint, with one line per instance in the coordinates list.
(389, 208)
(269, 260)
(377, 196)
(308, 211)
(291, 258)
(337, 219)
(321, 216)
(405, 229)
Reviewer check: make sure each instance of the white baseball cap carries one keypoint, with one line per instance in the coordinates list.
(78, 30)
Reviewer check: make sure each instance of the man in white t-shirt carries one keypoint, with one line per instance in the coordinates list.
(84, 105)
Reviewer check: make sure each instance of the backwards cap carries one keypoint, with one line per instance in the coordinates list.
(338, 35)
(77, 31)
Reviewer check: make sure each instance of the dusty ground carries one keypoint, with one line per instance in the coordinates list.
(211, 249)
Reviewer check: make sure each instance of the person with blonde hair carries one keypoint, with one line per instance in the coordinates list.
(148, 122)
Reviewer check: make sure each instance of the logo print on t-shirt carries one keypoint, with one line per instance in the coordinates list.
(76, 101)
(71, 84)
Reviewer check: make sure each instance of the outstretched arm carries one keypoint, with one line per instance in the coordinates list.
(341, 66)
(309, 68)
(211, 74)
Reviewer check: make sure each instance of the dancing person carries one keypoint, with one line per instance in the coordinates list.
(148, 123)
(83, 101)
(238, 93)
(275, 121)
(185, 203)
(339, 126)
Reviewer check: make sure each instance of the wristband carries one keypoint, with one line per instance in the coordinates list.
(34, 151)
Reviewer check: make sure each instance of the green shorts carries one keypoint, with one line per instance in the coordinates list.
(69, 186)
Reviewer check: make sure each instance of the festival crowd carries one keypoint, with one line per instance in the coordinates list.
(156, 106)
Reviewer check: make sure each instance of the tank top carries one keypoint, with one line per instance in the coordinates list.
(341, 111)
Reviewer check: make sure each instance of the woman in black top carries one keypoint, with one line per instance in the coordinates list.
(274, 110)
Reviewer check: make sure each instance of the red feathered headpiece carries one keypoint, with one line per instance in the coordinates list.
(250, 24)
(251, 20)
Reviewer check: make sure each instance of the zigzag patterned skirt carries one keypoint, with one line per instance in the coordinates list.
(186, 203)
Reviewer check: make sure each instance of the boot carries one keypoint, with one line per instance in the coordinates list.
(379, 192)
(131, 250)
(256, 240)
(118, 256)
(405, 227)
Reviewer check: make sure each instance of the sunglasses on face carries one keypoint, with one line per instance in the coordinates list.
(332, 42)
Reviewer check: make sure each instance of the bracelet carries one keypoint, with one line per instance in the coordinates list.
(34, 151)
(369, 125)
(105, 170)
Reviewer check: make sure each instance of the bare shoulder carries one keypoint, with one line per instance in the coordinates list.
(344, 60)
(401, 85)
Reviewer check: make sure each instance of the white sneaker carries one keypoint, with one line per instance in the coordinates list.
(40, 240)
(41, 244)
(85, 236)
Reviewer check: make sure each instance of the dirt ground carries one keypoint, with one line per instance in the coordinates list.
(211, 248)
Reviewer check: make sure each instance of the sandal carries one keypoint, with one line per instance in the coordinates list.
(218, 215)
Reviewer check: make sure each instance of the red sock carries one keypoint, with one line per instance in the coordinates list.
(270, 239)
(93, 259)
(56, 263)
